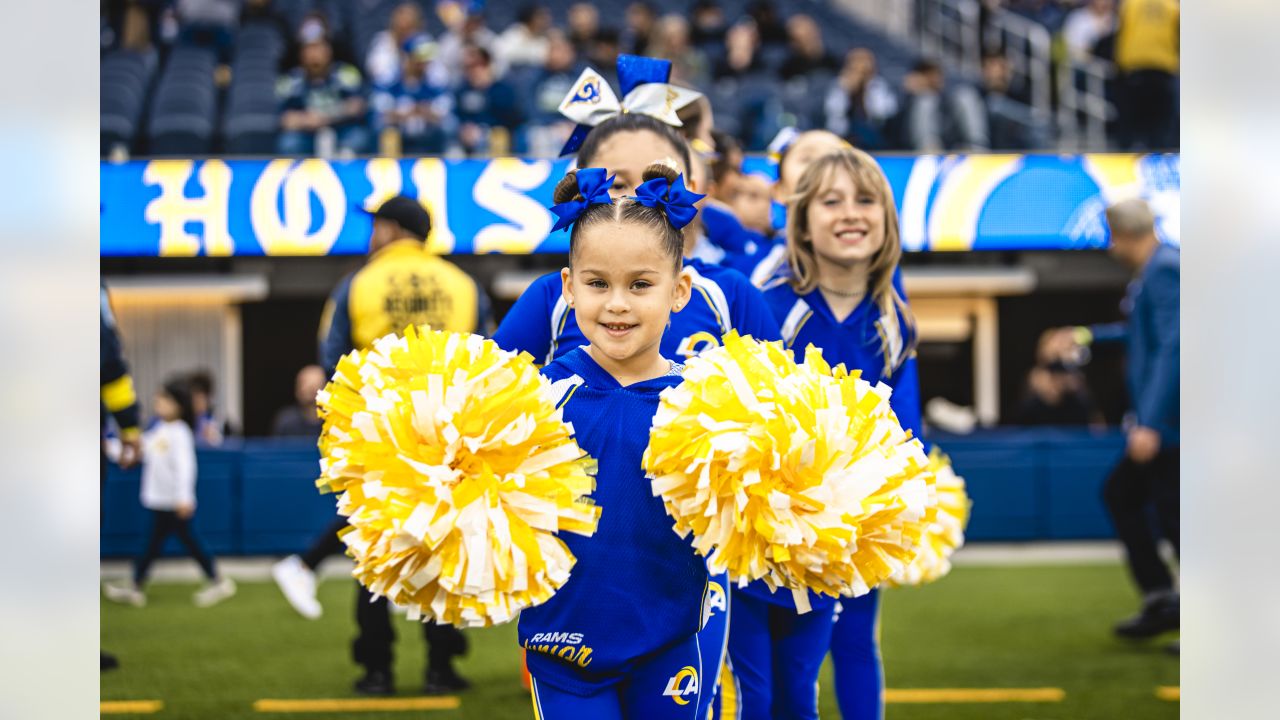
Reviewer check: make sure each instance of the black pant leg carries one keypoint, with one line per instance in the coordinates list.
(444, 642)
(328, 543)
(372, 646)
(1128, 495)
(188, 537)
(1166, 477)
(161, 526)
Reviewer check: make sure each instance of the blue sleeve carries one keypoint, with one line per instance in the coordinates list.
(905, 400)
(335, 327)
(527, 325)
(751, 313)
(1109, 333)
(1158, 399)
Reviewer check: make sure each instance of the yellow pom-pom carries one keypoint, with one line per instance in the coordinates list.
(456, 471)
(946, 533)
(797, 474)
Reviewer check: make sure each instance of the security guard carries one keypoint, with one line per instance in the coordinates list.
(400, 284)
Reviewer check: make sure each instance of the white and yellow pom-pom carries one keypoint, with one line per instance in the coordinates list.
(456, 471)
(946, 533)
(797, 474)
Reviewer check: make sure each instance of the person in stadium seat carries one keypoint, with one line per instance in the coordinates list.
(860, 101)
(483, 103)
(1149, 473)
(299, 418)
(418, 104)
(806, 51)
(386, 50)
(321, 95)
(525, 42)
(401, 283)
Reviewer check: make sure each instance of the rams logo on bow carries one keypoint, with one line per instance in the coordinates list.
(676, 692)
(587, 92)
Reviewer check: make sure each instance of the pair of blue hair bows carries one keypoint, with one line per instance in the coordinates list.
(593, 185)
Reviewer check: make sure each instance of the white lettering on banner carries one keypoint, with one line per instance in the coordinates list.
(172, 210)
(501, 189)
(288, 233)
(386, 180)
(431, 180)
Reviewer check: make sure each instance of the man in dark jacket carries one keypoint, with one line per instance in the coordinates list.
(1148, 474)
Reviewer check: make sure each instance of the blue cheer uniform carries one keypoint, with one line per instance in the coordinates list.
(619, 639)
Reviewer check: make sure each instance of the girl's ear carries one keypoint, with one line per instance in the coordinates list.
(566, 285)
(683, 289)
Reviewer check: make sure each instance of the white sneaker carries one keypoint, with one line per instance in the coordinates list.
(215, 592)
(124, 591)
(298, 583)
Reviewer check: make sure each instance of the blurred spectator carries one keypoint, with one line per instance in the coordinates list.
(638, 32)
(525, 42)
(860, 102)
(1147, 56)
(548, 129)
(806, 51)
(471, 30)
(741, 57)
(934, 117)
(709, 26)
(300, 418)
(168, 490)
(321, 95)
(1010, 124)
(770, 26)
(604, 57)
(1086, 25)
(689, 66)
(1056, 392)
(726, 167)
(584, 26)
(484, 103)
(383, 62)
(418, 106)
(210, 428)
(208, 23)
(753, 203)
(1149, 473)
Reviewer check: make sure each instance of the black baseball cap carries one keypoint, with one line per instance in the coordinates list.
(406, 212)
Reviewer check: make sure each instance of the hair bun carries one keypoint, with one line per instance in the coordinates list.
(567, 189)
(664, 168)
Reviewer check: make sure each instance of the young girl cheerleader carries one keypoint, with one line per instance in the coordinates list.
(620, 638)
(843, 295)
(169, 492)
(545, 325)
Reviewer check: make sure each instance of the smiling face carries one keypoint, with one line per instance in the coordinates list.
(623, 287)
(846, 222)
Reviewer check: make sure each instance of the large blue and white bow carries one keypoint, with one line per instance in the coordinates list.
(646, 92)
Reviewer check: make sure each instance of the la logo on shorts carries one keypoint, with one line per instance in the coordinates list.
(688, 678)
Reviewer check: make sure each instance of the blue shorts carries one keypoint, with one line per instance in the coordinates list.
(667, 686)
(776, 655)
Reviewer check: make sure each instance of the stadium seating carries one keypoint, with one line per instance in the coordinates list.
(183, 109)
(125, 79)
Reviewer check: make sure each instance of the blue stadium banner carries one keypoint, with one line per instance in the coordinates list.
(214, 208)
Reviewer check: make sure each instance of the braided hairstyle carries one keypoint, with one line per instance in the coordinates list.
(624, 211)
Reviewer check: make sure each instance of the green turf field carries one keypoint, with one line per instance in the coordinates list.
(981, 627)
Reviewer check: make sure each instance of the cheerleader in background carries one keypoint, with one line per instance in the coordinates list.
(844, 295)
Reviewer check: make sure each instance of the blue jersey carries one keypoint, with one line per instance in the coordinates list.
(637, 587)
(542, 324)
(858, 342)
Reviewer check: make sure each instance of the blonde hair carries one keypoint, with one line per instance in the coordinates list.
(867, 177)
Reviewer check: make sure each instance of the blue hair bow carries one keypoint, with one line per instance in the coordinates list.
(671, 198)
(594, 186)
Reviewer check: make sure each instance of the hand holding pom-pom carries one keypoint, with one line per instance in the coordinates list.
(456, 472)
(946, 533)
(797, 474)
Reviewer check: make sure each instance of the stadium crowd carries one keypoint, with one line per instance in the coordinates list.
(303, 77)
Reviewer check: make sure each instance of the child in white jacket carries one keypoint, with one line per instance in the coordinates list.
(169, 492)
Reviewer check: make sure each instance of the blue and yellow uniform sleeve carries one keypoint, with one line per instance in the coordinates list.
(335, 327)
(527, 325)
(118, 396)
(750, 313)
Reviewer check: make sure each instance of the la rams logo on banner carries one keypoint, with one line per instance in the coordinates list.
(683, 684)
(588, 91)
